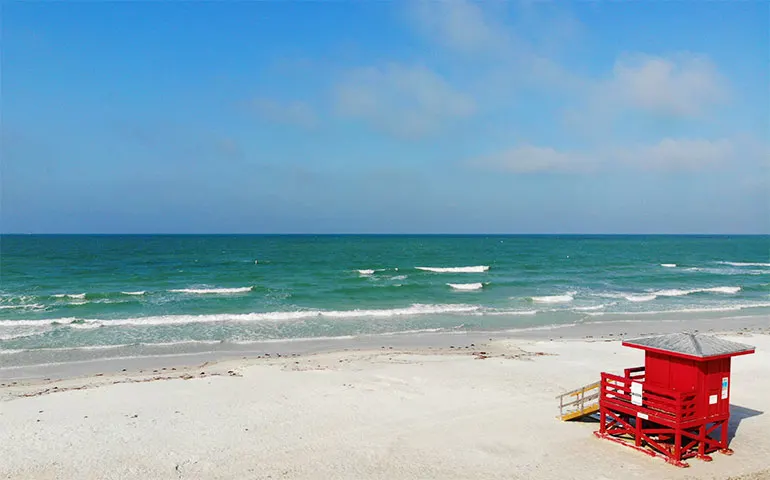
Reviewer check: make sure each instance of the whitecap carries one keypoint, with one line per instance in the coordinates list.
(640, 298)
(674, 292)
(746, 264)
(365, 272)
(728, 271)
(30, 306)
(134, 293)
(729, 290)
(668, 265)
(466, 286)
(70, 295)
(202, 291)
(472, 269)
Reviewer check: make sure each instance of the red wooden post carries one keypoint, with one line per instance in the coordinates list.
(638, 434)
(702, 441)
(725, 449)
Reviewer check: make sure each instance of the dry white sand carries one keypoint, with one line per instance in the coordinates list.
(386, 414)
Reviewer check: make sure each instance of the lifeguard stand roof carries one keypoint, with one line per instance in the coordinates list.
(692, 345)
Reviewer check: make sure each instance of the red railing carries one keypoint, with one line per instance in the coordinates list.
(636, 373)
(662, 405)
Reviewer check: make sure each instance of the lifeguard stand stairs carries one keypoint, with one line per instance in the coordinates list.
(579, 403)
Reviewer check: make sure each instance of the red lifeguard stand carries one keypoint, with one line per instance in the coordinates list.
(674, 405)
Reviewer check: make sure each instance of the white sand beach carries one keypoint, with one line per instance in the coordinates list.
(378, 413)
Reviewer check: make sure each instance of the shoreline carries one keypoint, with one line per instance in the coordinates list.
(78, 362)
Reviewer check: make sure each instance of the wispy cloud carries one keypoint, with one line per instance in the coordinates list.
(683, 85)
(460, 26)
(406, 101)
(177, 142)
(666, 155)
(676, 154)
(531, 159)
(295, 113)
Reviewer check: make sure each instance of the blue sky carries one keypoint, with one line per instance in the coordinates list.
(385, 117)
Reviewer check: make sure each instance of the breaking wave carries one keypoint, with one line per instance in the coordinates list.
(554, 299)
(416, 309)
(679, 293)
(30, 306)
(724, 308)
(640, 298)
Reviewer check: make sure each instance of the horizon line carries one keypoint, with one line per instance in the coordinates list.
(377, 234)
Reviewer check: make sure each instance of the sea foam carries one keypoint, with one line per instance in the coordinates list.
(746, 264)
(416, 309)
(473, 269)
(724, 308)
(675, 292)
(589, 308)
(554, 299)
(30, 306)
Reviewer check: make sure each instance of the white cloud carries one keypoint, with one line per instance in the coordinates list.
(676, 154)
(293, 113)
(407, 101)
(682, 85)
(665, 155)
(459, 25)
(530, 159)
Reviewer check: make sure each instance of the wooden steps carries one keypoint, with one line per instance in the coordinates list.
(580, 402)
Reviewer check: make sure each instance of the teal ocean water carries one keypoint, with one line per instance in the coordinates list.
(92, 292)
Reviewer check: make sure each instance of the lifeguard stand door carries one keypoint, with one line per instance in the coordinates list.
(717, 379)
